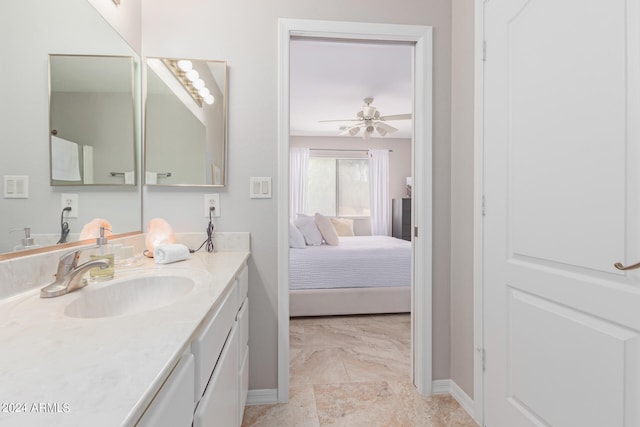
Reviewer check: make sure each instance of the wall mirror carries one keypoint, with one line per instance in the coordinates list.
(91, 109)
(185, 122)
(31, 30)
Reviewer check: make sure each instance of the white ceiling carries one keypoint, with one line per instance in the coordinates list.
(330, 79)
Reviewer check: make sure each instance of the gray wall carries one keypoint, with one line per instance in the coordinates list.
(462, 195)
(245, 33)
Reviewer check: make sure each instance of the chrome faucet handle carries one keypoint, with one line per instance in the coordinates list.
(69, 261)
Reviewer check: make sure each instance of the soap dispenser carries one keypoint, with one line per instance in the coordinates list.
(105, 251)
(27, 241)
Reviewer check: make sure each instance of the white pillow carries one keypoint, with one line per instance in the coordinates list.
(326, 229)
(307, 226)
(296, 239)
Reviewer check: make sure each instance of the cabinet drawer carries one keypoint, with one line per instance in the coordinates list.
(243, 284)
(173, 405)
(219, 405)
(207, 347)
(243, 324)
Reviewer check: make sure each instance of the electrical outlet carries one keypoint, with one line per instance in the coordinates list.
(70, 200)
(212, 200)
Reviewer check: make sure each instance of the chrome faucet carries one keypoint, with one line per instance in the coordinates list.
(69, 274)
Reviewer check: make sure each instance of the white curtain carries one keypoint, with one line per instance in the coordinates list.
(379, 192)
(298, 166)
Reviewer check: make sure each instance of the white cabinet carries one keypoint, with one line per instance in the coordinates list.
(219, 405)
(209, 385)
(207, 346)
(173, 405)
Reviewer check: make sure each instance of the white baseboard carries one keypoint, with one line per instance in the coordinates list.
(450, 387)
(262, 397)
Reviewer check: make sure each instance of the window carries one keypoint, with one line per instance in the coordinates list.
(338, 186)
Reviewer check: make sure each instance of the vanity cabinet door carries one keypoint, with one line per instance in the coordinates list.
(243, 284)
(219, 405)
(173, 405)
(207, 347)
(243, 355)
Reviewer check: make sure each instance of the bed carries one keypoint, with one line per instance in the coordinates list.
(361, 275)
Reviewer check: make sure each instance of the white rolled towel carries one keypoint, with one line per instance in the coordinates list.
(165, 254)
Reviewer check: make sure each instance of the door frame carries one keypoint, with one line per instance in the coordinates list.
(478, 214)
(421, 171)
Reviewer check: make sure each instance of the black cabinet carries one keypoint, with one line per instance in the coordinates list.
(401, 219)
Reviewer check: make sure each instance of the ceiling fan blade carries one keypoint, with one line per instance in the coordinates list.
(387, 128)
(350, 131)
(396, 117)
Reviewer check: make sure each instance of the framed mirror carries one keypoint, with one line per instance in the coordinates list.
(31, 30)
(92, 117)
(185, 122)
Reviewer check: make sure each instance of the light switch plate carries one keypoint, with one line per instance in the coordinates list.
(16, 187)
(260, 187)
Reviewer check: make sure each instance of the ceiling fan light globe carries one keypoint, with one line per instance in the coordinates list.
(354, 131)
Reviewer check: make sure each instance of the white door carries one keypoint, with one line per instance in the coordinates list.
(562, 193)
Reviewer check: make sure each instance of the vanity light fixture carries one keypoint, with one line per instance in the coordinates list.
(190, 79)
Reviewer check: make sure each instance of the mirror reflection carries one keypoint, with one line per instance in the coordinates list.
(91, 120)
(185, 122)
(32, 30)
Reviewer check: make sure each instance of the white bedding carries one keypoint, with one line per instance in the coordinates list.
(357, 261)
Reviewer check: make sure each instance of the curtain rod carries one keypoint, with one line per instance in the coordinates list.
(340, 149)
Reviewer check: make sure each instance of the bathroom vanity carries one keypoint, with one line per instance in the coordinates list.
(156, 346)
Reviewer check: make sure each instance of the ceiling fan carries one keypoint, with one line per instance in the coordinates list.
(369, 120)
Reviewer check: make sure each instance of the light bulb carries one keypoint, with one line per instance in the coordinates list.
(192, 75)
(198, 84)
(209, 99)
(204, 92)
(185, 65)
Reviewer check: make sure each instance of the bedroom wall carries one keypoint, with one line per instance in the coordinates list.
(462, 194)
(244, 32)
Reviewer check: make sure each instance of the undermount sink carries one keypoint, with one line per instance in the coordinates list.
(129, 296)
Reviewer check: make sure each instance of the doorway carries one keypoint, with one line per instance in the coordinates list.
(421, 172)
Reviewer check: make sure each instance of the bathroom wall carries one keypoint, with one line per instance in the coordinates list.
(245, 33)
(462, 87)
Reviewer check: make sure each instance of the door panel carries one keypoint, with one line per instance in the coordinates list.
(561, 113)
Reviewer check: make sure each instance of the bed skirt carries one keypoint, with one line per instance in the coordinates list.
(342, 301)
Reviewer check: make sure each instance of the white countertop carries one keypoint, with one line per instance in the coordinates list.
(57, 370)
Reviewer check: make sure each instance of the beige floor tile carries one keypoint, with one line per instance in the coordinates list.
(358, 404)
(299, 412)
(354, 371)
(323, 366)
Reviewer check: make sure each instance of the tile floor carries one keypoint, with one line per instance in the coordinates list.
(354, 371)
